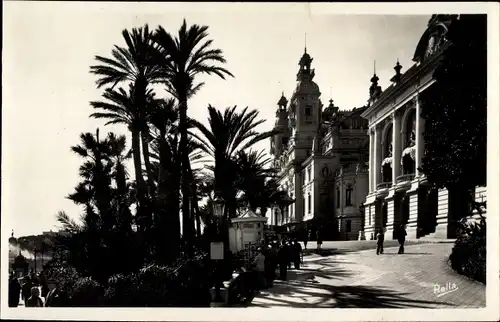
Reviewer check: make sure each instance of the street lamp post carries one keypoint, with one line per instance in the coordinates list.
(218, 210)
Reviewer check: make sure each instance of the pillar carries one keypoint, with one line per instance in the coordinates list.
(390, 219)
(377, 153)
(412, 225)
(396, 146)
(370, 162)
(442, 215)
(419, 153)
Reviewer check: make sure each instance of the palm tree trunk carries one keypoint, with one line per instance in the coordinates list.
(195, 209)
(145, 149)
(185, 167)
(168, 202)
(138, 170)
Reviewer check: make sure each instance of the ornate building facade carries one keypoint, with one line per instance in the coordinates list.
(398, 193)
(318, 153)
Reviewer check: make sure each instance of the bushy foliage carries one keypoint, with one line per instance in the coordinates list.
(468, 256)
(86, 293)
(185, 284)
(122, 290)
(454, 109)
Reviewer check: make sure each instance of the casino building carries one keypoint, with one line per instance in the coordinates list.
(322, 159)
(354, 172)
(398, 192)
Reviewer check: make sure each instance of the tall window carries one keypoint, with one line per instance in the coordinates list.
(309, 174)
(309, 203)
(338, 198)
(348, 197)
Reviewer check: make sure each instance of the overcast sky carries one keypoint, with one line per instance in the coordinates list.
(47, 51)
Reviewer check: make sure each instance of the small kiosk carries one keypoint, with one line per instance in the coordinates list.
(246, 229)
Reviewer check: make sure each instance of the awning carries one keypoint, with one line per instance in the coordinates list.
(409, 150)
(308, 217)
(387, 160)
(286, 201)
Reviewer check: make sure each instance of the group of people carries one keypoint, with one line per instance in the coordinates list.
(31, 289)
(28, 289)
(400, 236)
(276, 256)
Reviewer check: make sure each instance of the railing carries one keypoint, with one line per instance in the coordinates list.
(384, 185)
(406, 177)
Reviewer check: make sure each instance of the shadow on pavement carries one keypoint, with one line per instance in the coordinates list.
(407, 254)
(347, 297)
(302, 288)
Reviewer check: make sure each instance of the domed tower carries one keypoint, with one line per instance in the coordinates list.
(305, 108)
(279, 141)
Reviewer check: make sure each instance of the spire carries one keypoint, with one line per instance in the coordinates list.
(12, 234)
(375, 78)
(305, 43)
(375, 89)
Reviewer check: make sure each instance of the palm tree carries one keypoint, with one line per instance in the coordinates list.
(228, 134)
(122, 198)
(121, 107)
(184, 57)
(133, 65)
(95, 188)
(253, 174)
(97, 244)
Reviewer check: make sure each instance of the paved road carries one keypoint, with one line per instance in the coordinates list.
(364, 280)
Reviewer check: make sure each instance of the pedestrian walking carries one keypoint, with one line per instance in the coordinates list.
(283, 260)
(290, 253)
(14, 291)
(380, 241)
(35, 300)
(306, 238)
(401, 239)
(297, 254)
(319, 238)
(44, 284)
(27, 284)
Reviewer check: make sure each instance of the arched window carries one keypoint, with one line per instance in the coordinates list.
(387, 162)
(410, 128)
(388, 143)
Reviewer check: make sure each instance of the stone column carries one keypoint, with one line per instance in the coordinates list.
(419, 144)
(370, 162)
(377, 153)
(396, 146)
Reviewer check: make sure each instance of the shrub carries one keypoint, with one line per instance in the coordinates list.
(468, 256)
(86, 292)
(64, 274)
(184, 284)
(122, 290)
